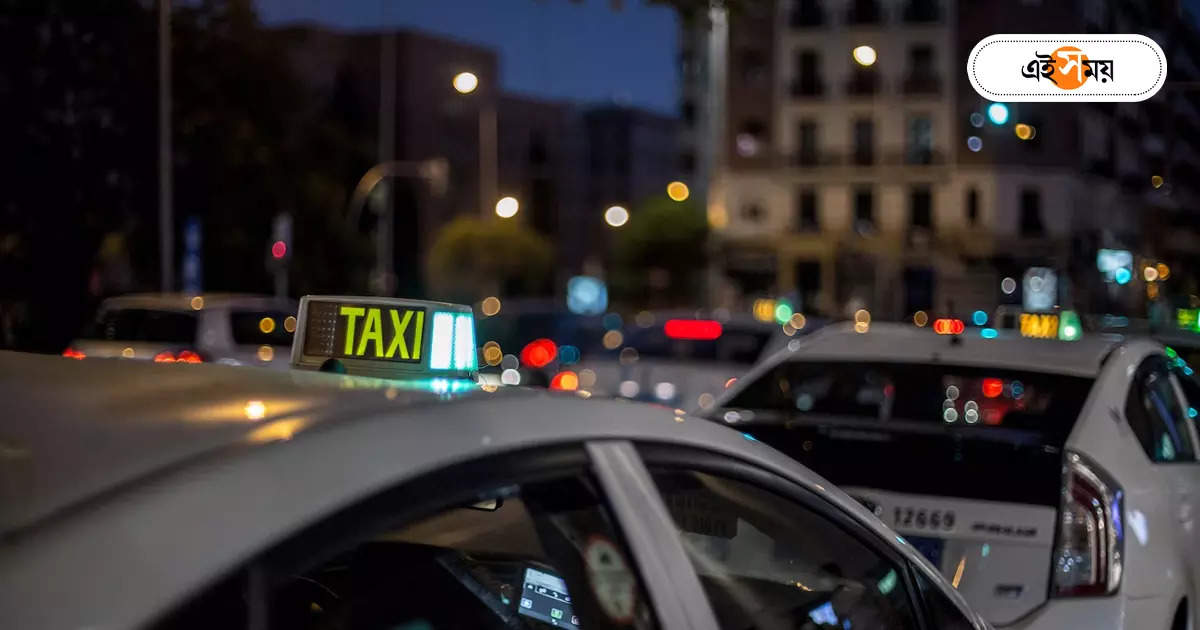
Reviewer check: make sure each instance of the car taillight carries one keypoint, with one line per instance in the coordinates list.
(1091, 543)
(184, 356)
(72, 353)
(187, 356)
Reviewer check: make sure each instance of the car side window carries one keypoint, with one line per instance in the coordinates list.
(539, 554)
(940, 612)
(769, 562)
(1156, 416)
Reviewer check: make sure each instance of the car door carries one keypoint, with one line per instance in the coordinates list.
(1157, 412)
(523, 541)
(771, 554)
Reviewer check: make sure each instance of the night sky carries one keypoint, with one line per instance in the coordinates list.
(554, 49)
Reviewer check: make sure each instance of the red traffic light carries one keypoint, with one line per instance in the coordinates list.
(948, 326)
(279, 249)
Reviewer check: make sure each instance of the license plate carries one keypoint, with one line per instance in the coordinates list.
(931, 548)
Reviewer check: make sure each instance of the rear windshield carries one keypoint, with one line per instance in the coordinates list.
(924, 393)
(262, 327)
(138, 324)
(939, 430)
(733, 346)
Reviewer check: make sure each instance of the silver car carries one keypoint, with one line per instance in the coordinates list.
(144, 495)
(231, 328)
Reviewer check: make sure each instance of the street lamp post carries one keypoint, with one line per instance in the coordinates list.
(466, 83)
(166, 227)
(434, 171)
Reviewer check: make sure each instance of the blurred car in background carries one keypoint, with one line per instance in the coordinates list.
(676, 359)
(681, 359)
(1054, 483)
(235, 329)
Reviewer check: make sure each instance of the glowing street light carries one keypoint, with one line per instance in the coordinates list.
(507, 207)
(616, 216)
(465, 82)
(678, 191)
(864, 55)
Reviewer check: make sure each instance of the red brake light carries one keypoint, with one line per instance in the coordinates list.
(698, 329)
(187, 356)
(948, 326)
(72, 353)
(1088, 554)
(164, 357)
(566, 381)
(539, 353)
(993, 387)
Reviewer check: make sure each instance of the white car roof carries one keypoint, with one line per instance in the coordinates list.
(123, 449)
(183, 301)
(892, 342)
(76, 430)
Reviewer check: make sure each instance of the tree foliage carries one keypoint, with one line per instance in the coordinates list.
(471, 259)
(659, 257)
(79, 116)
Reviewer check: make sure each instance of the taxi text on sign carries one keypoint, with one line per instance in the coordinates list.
(1039, 325)
(367, 331)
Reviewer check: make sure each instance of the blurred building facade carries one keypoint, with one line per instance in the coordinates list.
(842, 185)
(564, 163)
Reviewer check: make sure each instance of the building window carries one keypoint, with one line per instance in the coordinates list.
(864, 141)
(864, 210)
(753, 67)
(919, 143)
(922, 76)
(688, 65)
(806, 142)
(1031, 213)
(751, 138)
(972, 207)
(922, 11)
(862, 81)
(807, 13)
(806, 210)
(807, 81)
(864, 12)
(920, 207)
(752, 212)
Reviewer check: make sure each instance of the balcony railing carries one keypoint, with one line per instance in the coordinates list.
(918, 11)
(914, 157)
(863, 83)
(807, 86)
(922, 84)
(862, 157)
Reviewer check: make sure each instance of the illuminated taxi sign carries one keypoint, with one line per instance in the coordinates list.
(385, 337)
(1039, 325)
(1187, 318)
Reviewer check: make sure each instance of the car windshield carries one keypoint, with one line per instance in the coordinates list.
(262, 327)
(138, 324)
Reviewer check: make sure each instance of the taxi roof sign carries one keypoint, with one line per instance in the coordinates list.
(386, 337)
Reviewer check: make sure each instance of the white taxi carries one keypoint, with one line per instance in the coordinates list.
(210, 496)
(1053, 483)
